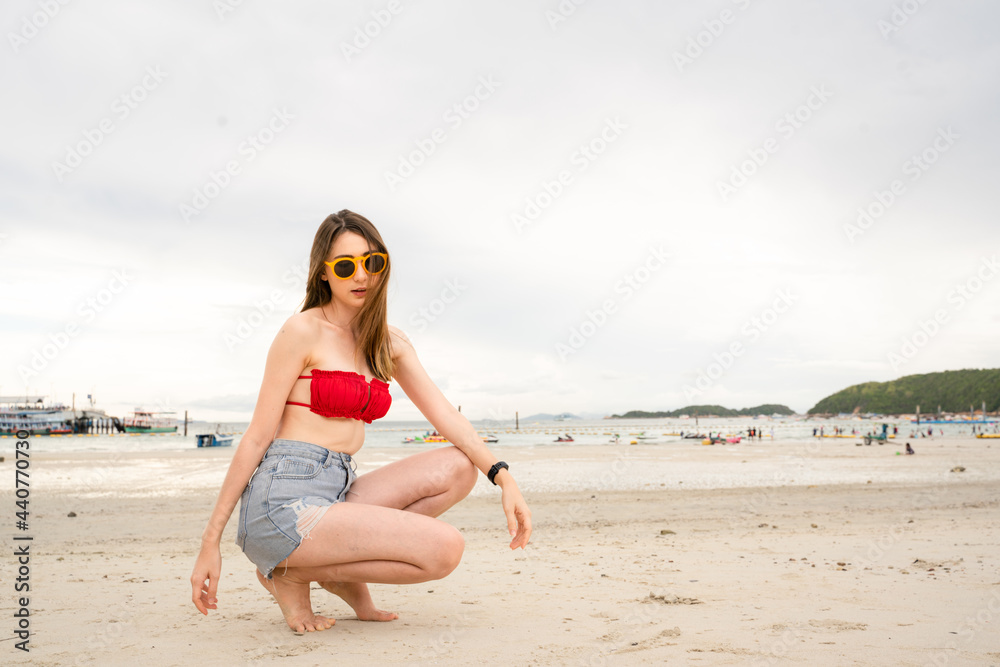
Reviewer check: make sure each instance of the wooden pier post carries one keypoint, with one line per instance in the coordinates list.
(517, 423)
(185, 422)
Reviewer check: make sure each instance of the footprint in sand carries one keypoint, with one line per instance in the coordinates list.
(838, 626)
(670, 598)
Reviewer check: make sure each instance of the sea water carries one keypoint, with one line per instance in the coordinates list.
(389, 434)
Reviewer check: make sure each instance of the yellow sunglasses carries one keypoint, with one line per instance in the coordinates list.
(344, 267)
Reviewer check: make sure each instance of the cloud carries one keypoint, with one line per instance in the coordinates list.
(207, 129)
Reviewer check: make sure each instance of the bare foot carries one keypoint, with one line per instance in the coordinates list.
(357, 595)
(293, 599)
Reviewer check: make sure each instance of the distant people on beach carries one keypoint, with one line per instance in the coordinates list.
(909, 450)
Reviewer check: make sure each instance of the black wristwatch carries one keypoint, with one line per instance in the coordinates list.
(495, 469)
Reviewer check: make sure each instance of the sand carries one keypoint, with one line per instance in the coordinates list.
(760, 554)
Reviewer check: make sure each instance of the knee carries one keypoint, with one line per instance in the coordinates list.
(448, 553)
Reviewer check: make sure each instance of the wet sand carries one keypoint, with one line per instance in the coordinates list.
(749, 554)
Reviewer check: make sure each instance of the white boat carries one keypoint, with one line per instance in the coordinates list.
(144, 421)
(31, 414)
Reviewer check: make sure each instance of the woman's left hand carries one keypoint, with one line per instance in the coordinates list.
(518, 514)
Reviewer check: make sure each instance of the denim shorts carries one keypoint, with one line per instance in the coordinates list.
(292, 488)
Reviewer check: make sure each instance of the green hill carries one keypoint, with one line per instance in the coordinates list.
(954, 391)
(710, 410)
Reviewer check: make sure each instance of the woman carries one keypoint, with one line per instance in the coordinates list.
(304, 515)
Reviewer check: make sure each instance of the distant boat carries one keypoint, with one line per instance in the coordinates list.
(427, 437)
(722, 439)
(491, 438)
(214, 440)
(144, 421)
(33, 415)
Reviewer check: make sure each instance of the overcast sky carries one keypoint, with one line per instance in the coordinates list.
(593, 208)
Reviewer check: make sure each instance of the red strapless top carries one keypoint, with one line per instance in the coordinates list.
(346, 394)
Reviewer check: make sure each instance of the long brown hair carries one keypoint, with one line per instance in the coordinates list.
(371, 322)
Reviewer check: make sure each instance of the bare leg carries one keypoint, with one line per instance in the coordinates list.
(353, 544)
(427, 483)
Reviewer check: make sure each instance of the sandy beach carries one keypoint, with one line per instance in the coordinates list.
(765, 553)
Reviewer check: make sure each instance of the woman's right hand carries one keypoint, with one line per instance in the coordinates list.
(208, 568)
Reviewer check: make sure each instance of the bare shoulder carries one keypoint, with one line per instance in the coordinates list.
(301, 324)
(299, 328)
(297, 335)
(399, 342)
